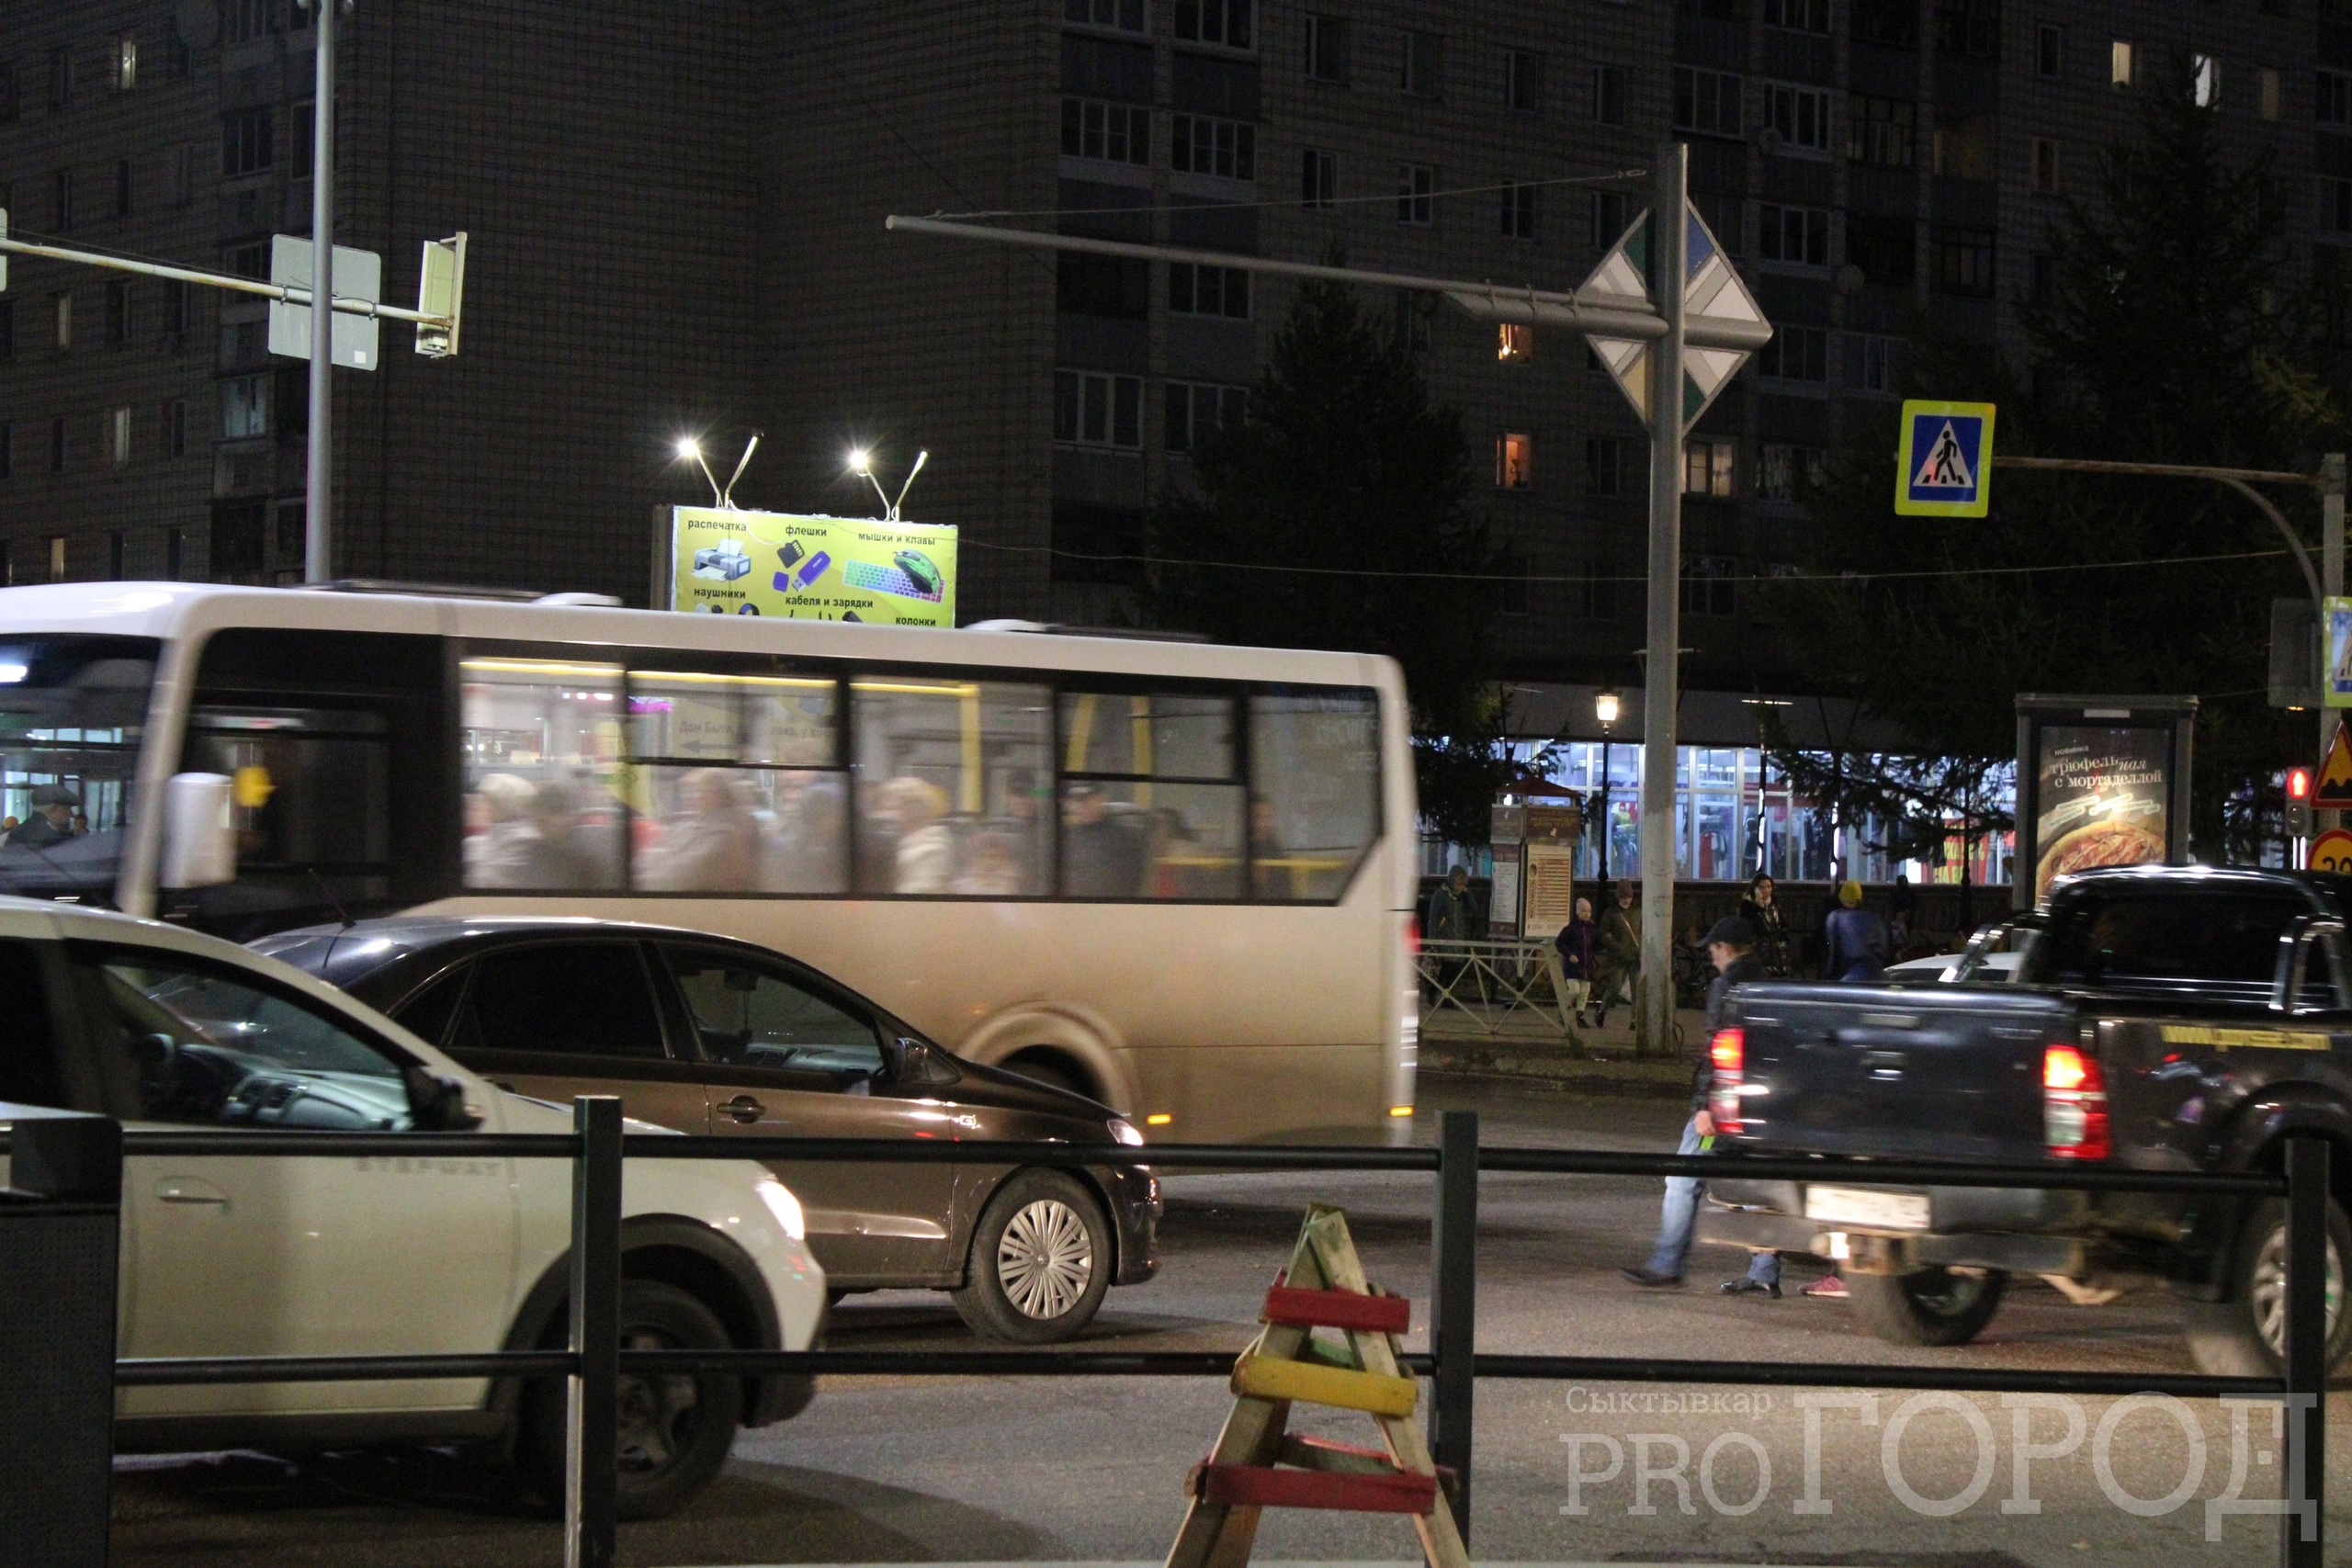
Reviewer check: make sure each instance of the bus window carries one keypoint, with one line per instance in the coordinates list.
(1151, 807)
(1315, 791)
(739, 784)
(951, 786)
(71, 711)
(543, 808)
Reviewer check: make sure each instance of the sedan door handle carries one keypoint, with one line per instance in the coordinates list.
(743, 1109)
(189, 1190)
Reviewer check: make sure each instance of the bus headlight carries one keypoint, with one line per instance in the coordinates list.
(1124, 1132)
(786, 1207)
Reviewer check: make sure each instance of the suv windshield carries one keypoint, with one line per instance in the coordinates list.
(71, 711)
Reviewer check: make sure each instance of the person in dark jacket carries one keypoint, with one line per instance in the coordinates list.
(1853, 942)
(1759, 909)
(1576, 943)
(1619, 939)
(1731, 947)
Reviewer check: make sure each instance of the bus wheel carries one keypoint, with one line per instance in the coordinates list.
(1053, 1071)
(1041, 1261)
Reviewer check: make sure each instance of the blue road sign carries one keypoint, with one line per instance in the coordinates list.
(1943, 467)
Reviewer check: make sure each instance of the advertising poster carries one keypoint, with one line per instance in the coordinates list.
(821, 568)
(1551, 892)
(2337, 687)
(2102, 797)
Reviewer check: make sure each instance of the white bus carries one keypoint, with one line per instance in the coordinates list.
(1178, 877)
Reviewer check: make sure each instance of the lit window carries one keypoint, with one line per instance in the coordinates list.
(2123, 68)
(1514, 461)
(1707, 466)
(126, 64)
(244, 407)
(57, 558)
(62, 308)
(2206, 81)
(1514, 341)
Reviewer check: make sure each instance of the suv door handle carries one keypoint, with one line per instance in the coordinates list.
(743, 1109)
(189, 1190)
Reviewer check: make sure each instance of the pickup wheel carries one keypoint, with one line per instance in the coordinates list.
(1933, 1306)
(2244, 1335)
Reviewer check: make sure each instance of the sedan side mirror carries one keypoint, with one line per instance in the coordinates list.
(200, 832)
(921, 1062)
(437, 1104)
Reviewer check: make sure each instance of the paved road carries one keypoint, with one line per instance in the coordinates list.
(919, 1470)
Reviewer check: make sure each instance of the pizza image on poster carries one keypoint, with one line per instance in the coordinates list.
(2104, 796)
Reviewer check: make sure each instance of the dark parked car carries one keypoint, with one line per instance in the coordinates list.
(706, 1034)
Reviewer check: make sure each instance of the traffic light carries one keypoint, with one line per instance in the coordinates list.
(2299, 803)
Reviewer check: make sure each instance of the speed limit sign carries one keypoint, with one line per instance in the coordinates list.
(2332, 850)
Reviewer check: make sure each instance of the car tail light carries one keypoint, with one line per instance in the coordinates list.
(1728, 1051)
(2073, 1105)
(1412, 936)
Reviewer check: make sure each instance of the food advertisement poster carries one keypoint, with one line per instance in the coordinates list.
(824, 569)
(2102, 796)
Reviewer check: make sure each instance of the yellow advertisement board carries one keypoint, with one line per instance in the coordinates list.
(811, 568)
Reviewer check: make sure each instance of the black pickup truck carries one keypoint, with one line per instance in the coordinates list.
(2159, 1019)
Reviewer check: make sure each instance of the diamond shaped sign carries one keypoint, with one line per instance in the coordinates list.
(1711, 289)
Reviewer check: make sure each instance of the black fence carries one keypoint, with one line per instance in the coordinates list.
(594, 1361)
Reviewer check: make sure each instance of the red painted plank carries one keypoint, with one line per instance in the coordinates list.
(1337, 1309)
(1257, 1486)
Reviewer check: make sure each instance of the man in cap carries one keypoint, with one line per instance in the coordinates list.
(1731, 947)
(51, 821)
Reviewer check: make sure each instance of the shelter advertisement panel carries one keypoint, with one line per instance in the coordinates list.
(2102, 782)
(811, 568)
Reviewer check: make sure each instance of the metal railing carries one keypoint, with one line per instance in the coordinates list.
(1488, 981)
(593, 1362)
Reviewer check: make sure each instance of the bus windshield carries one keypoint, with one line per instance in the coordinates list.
(71, 711)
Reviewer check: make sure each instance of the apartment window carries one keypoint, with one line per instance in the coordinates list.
(1202, 290)
(114, 555)
(1707, 465)
(1197, 409)
(2265, 93)
(1799, 115)
(119, 437)
(1706, 101)
(1199, 145)
(1792, 235)
(1120, 133)
(1126, 15)
(2205, 81)
(2123, 62)
(122, 187)
(1514, 460)
(1609, 94)
(248, 142)
(1798, 16)
(2332, 100)
(1795, 354)
(1871, 362)
(1228, 22)
(1416, 194)
(247, 260)
(7, 330)
(1326, 50)
(1969, 26)
(244, 407)
(2046, 166)
(1523, 81)
(1519, 212)
(119, 314)
(57, 558)
(1881, 130)
(1420, 73)
(1784, 472)
(1964, 262)
(175, 309)
(61, 79)
(2335, 205)
(175, 427)
(126, 64)
(1710, 586)
(1608, 217)
(1514, 341)
(57, 445)
(185, 158)
(1095, 410)
(2049, 51)
(61, 201)
(1319, 178)
(60, 311)
(242, 21)
(1604, 466)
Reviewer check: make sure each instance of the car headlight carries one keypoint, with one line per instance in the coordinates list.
(1124, 1132)
(786, 1207)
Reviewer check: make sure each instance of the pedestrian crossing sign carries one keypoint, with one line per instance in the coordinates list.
(1941, 470)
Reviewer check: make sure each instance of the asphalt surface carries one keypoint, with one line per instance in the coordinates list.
(907, 1469)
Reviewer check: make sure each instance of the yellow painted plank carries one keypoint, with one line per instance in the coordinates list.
(1309, 1382)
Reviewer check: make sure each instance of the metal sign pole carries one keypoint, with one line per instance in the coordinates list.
(319, 486)
(2330, 578)
(1669, 260)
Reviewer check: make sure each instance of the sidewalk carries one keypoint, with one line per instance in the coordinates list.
(1524, 1052)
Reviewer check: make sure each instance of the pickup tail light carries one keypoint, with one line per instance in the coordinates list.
(2073, 1104)
(1728, 1052)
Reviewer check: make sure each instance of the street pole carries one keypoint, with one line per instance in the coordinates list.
(318, 534)
(1669, 261)
(2330, 578)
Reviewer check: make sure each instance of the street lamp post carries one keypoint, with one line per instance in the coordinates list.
(1604, 709)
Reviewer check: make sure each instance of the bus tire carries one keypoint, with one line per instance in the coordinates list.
(2242, 1336)
(1931, 1306)
(1042, 1259)
(1052, 1069)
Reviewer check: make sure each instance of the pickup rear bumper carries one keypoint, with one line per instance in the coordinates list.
(2026, 1231)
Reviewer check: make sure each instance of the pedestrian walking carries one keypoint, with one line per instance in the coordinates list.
(1853, 940)
(1731, 948)
(1759, 909)
(1577, 946)
(1450, 907)
(1619, 935)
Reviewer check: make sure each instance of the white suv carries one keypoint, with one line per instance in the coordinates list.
(299, 1255)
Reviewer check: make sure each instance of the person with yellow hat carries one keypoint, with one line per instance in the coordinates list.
(1854, 939)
